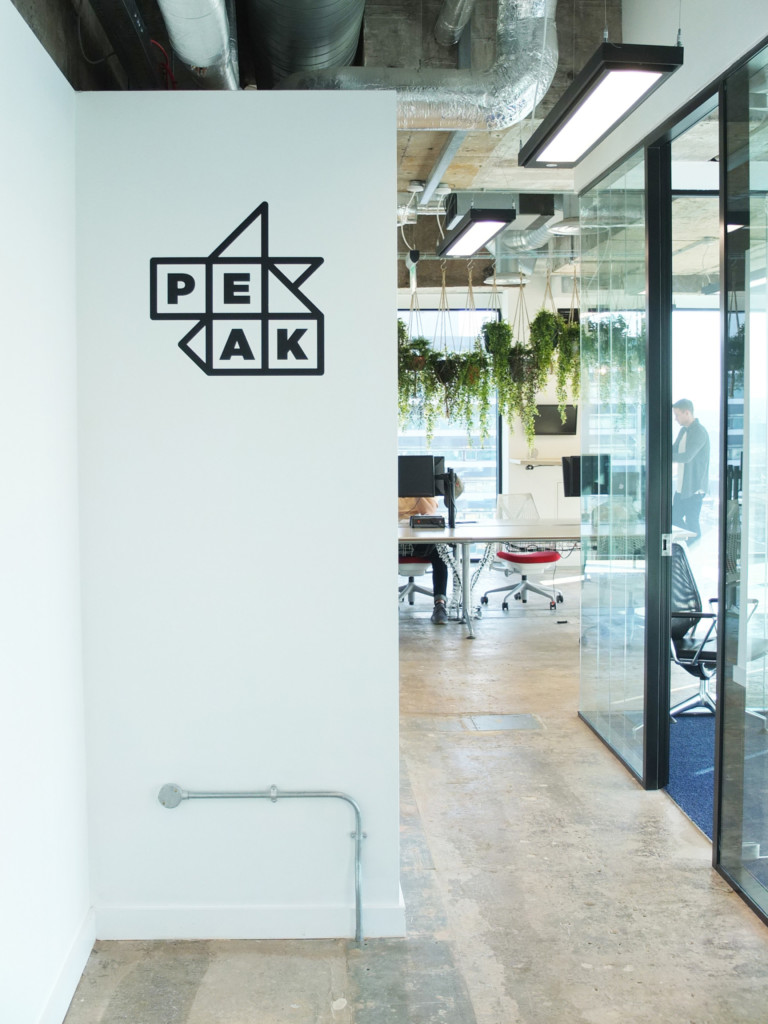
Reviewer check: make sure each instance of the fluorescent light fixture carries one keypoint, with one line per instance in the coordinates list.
(615, 79)
(474, 230)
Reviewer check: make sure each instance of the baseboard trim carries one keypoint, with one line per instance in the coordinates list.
(249, 922)
(69, 976)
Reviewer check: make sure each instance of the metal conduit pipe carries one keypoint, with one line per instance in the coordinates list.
(172, 795)
(437, 100)
(452, 20)
(199, 31)
(304, 36)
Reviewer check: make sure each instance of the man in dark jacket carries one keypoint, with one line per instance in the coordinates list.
(691, 451)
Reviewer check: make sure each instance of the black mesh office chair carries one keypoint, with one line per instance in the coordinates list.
(695, 652)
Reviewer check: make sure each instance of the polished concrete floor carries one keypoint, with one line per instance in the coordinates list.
(543, 885)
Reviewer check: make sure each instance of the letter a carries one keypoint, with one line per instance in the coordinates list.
(237, 345)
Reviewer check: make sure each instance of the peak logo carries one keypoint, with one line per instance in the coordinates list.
(252, 317)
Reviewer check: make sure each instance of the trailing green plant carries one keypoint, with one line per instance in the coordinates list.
(568, 366)
(412, 355)
(613, 358)
(497, 340)
(520, 371)
(472, 397)
(432, 384)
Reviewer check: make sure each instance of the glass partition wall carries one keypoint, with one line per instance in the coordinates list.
(741, 849)
(613, 464)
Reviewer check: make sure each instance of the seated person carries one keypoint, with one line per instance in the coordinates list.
(407, 507)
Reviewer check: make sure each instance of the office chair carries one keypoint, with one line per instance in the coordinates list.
(697, 655)
(412, 566)
(520, 507)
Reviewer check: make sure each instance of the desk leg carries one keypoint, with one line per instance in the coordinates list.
(466, 589)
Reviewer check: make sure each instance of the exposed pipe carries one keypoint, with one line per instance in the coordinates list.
(452, 20)
(439, 100)
(171, 795)
(199, 31)
(524, 241)
(303, 36)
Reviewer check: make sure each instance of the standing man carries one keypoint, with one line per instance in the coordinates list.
(691, 451)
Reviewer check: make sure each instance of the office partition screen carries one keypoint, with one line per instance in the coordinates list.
(741, 830)
(613, 409)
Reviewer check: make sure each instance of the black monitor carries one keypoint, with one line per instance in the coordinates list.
(549, 421)
(586, 474)
(420, 476)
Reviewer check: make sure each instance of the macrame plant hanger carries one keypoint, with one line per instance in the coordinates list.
(494, 296)
(520, 321)
(575, 301)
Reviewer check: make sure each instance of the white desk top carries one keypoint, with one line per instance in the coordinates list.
(494, 531)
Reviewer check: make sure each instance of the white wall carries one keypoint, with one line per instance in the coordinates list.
(714, 36)
(46, 931)
(225, 519)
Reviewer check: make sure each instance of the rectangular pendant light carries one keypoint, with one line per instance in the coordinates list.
(615, 79)
(474, 230)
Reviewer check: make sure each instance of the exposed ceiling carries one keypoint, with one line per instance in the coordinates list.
(125, 44)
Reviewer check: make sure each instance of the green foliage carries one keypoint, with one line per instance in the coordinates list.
(613, 359)
(460, 385)
(568, 366)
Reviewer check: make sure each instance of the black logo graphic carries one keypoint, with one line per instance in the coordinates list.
(251, 316)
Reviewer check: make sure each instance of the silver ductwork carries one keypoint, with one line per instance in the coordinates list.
(437, 100)
(525, 241)
(452, 20)
(304, 36)
(202, 33)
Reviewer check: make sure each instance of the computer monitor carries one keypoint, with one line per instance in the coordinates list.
(586, 474)
(420, 476)
(549, 421)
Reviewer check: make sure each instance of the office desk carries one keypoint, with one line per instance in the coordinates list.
(496, 531)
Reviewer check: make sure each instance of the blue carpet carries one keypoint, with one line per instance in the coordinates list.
(692, 767)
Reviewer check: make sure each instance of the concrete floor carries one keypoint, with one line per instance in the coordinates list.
(543, 885)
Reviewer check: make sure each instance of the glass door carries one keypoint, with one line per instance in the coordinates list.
(741, 824)
(695, 509)
(613, 461)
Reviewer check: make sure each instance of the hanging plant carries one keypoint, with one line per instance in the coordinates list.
(497, 340)
(613, 358)
(567, 366)
(543, 337)
(525, 384)
(411, 358)
(472, 399)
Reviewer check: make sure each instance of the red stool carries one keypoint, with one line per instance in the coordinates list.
(519, 561)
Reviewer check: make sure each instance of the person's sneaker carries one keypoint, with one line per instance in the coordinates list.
(439, 615)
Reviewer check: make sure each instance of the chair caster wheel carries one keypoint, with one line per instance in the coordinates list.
(518, 597)
(559, 598)
(552, 606)
(505, 607)
(484, 599)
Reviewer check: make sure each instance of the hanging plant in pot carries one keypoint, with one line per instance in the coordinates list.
(472, 393)
(525, 383)
(412, 356)
(567, 366)
(497, 340)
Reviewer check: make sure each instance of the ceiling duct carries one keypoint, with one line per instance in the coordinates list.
(304, 36)
(202, 36)
(452, 20)
(509, 272)
(437, 100)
